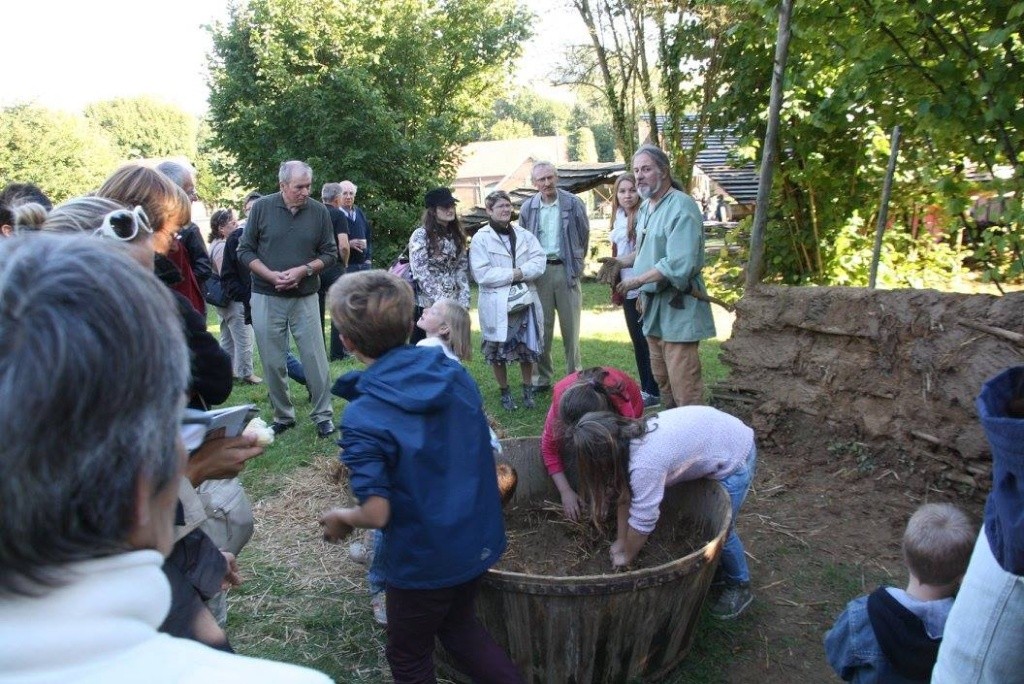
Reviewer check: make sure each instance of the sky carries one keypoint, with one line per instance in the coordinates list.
(68, 54)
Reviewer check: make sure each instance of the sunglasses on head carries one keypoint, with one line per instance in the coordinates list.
(124, 224)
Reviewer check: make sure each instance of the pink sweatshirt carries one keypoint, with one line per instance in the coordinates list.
(551, 439)
(685, 443)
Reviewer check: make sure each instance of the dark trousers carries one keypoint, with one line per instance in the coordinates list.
(417, 616)
(641, 352)
(335, 350)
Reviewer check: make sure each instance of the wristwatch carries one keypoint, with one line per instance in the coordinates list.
(309, 271)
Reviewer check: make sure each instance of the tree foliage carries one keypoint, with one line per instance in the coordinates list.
(145, 128)
(61, 153)
(384, 97)
(948, 73)
(526, 112)
(582, 147)
(508, 129)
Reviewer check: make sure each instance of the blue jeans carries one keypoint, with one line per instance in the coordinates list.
(985, 629)
(375, 575)
(734, 559)
(295, 370)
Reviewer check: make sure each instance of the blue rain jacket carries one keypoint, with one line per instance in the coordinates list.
(415, 433)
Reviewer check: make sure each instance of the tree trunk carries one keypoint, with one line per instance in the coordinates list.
(755, 269)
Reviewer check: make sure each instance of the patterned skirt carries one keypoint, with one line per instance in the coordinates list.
(523, 344)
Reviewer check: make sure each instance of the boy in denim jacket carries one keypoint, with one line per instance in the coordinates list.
(417, 446)
(893, 635)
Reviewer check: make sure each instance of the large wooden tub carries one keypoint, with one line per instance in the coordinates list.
(619, 627)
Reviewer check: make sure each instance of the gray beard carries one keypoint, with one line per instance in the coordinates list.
(645, 192)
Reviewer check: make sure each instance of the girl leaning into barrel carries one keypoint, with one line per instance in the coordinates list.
(592, 389)
(636, 459)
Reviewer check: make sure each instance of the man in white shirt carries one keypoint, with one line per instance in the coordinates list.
(559, 221)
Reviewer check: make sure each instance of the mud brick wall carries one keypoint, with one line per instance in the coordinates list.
(896, 370)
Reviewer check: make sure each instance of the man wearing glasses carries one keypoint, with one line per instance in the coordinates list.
(559, 221)
(287, 242)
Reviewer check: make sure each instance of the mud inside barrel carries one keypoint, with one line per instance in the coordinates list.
(604, 627)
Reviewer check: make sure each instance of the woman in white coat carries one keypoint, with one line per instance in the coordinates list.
(503, 254)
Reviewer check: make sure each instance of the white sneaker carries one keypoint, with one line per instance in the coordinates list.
(360, 553)
(380, 611)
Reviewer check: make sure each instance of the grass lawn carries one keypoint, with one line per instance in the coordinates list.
(303, 601)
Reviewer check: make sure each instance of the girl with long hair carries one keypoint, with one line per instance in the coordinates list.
(438, 256)
(591, 389)
(631, 462)
(625, 202)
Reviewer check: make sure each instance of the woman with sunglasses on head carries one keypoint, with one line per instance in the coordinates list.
(167, 209)
(235, 332)
(438, 256)
(195, 566)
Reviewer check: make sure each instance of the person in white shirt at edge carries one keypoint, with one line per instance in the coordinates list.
(92, 345)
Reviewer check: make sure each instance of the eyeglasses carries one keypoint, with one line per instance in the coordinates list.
(124, 225)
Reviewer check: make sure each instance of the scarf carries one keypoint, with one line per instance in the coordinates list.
(506, 230)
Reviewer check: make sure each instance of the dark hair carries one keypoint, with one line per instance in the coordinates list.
(599, 442)
(19, 193)
(588, 393)
(373, 310)
(76, 311)
(218, 220)
(437, 232)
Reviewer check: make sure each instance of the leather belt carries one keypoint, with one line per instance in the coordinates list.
(556, 262)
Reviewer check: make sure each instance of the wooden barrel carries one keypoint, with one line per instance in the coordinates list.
(619, 627)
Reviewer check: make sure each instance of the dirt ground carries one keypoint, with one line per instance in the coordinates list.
(541, 541)
(820, 527)
(863, 402)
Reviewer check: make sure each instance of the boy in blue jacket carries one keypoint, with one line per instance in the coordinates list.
(893, 635)
(417, 446)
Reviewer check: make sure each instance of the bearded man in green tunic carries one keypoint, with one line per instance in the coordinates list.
(667, 266)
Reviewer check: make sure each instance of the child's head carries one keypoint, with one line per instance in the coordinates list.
(937, 544)
(599, 442)
(447, 320)
(508, 478)
(586, 395)
(372, 311)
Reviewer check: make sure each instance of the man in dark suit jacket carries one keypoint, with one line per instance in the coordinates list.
(330, 195)
(359, 258)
